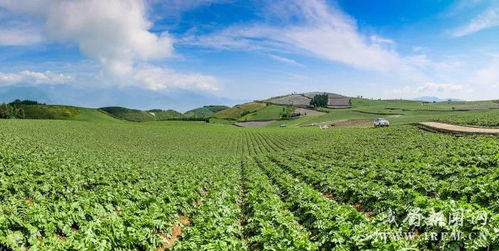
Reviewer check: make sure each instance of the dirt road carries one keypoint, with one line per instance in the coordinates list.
(458, 129)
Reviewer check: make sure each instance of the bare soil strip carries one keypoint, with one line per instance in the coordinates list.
(169, 242)
(443, 127)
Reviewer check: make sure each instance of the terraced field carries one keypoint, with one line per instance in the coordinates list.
(198, 186)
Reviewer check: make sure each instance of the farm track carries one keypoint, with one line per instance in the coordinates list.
(450, 128)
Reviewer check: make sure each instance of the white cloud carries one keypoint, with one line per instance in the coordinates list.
(113, 32)
(31, 77)
(439, 87)
(430, 88)
(9, 36)
(381, 40)
(487, 19)
(284, 60)
(487, 75)
(159, 78)
(178, 6)
(322, 32)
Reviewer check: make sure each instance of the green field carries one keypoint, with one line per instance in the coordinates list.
(399, 112)
(270, 112)
(110, 184)
(204, 112)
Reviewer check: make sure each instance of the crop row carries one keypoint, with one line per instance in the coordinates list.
(374, 198)
(332, 225)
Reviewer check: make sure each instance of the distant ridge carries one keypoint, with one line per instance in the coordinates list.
(435, 99)
(303, 99)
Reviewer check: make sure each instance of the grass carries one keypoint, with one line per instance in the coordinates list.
(205, 111)
(95, 115)
(50, 112)
(166, 115)
(252, 107)
(128, 114)
(270, 112)
(399, 112)
(238, 111)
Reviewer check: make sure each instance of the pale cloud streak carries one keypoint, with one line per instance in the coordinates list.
(284, 60)
(485, 20)
(430, 88)
(160, 78)
(323, 32)
(19, 36)
(34, 78)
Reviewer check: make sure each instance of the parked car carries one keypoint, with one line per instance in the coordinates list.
(380, 122)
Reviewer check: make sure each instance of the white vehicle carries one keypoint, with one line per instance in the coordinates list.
(380, 122)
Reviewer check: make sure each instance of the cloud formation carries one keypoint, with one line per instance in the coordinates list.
(317, 29)
(160, 78)
(18, 36)
(113, 32)
(485, 20)
(31, 77)
(429, 88)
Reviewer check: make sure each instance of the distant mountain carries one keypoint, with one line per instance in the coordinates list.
(132, 97)
(435, 99)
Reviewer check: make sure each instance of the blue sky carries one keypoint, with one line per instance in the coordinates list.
(185, 53)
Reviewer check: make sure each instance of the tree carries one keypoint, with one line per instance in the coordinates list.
(319, 100)
(19, 102)
(10, 112)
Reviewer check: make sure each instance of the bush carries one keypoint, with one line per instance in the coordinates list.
(19, 102)
(10, 112)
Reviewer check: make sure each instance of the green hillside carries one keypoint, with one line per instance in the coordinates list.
(270, 112)
(239, 111)
(476, 113)
(165, 114)
(128, 114)
(94, 115)
(49, 112)
(33, 110)
(205, 111)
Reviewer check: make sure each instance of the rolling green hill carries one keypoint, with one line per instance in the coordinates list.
(270, 112)
(128, 114)
(35, 110)
(474, 113)
(165, 114)
(205, 112)
(477, 113)
(239, 111)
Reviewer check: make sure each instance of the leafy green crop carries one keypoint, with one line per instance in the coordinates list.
(71, 185)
